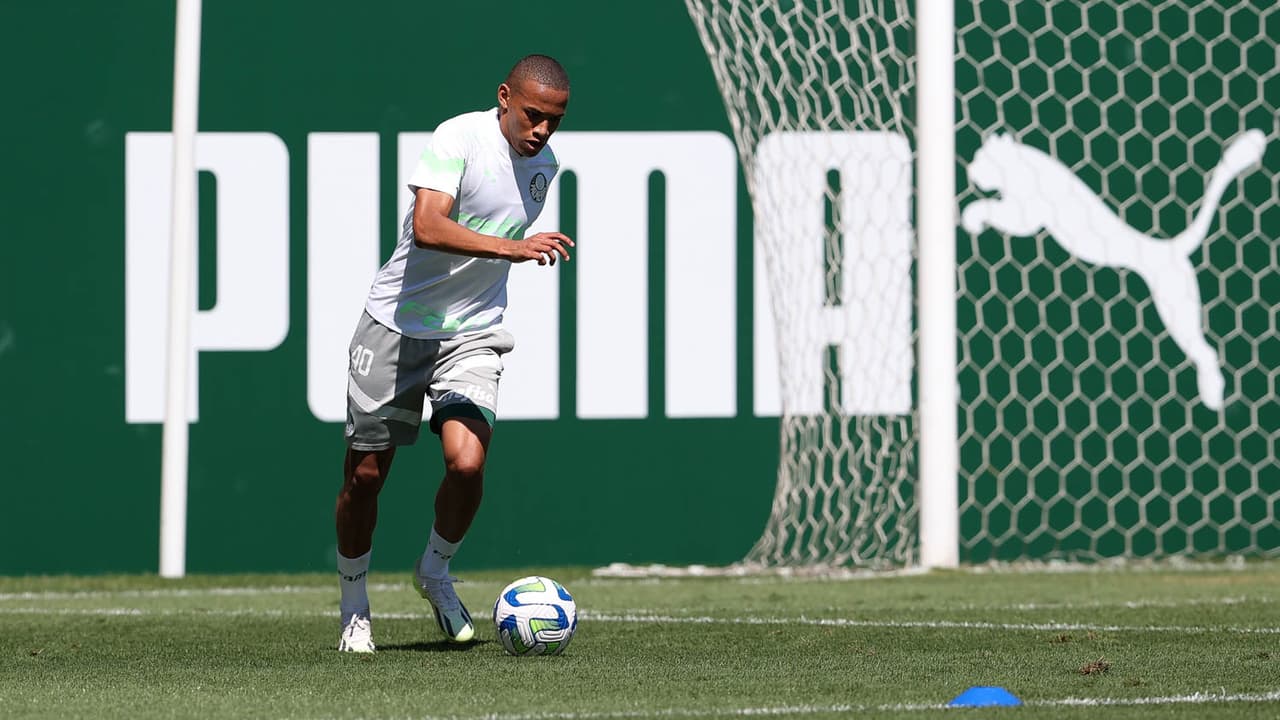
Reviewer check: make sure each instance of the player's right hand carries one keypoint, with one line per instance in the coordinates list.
(543, 247)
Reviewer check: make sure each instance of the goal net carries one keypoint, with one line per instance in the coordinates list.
(818, 98)
(1119, 345)
(1117, 268)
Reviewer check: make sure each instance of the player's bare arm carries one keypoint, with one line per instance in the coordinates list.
(435, 230)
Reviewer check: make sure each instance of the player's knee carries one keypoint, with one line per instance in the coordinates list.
(365, 479)
(466, 467)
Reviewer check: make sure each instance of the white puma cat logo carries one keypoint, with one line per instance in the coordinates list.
(1039, 191)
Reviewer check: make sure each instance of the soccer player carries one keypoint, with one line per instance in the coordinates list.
(432, 329)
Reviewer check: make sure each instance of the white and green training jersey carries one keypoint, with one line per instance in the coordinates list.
(430, 294)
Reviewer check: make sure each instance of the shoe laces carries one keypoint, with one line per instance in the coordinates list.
(356, 624)
(442, 593)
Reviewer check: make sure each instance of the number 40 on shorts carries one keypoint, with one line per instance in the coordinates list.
(361, 360)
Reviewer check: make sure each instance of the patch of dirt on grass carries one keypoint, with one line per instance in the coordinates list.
(1097, 667)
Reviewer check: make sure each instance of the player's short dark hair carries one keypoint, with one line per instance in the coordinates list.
(542, 69)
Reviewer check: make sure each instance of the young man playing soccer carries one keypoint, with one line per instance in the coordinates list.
(432, 329)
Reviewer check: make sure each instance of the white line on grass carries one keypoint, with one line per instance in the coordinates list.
(642, 617)
(651, 618)
(189, 592)
(1199, 698)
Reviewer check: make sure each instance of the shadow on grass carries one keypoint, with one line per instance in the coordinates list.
(436, 646)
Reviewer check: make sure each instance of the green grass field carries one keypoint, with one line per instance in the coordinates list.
(1192, 643)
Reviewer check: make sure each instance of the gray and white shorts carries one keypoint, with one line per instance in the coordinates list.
(391, 375)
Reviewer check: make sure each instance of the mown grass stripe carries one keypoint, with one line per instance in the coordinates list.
(393, 587)
(643, 617)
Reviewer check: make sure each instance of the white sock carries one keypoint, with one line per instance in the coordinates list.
(352, 578)
(435, 559)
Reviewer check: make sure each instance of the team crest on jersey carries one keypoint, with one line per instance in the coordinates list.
(538, 187)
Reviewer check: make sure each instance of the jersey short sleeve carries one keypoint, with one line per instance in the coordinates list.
(441, 164)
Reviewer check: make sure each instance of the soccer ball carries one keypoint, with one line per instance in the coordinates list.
(535, 615)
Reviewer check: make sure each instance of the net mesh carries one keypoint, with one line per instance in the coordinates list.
(803, 73)
(1117, 398)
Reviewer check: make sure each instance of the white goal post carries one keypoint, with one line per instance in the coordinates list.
(936, 284)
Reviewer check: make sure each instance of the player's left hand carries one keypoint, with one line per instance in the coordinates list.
(543, 247)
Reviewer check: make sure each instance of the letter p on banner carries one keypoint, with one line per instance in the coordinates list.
(252, 310)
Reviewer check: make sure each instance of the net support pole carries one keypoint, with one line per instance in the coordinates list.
(936, 224)
(173, 480)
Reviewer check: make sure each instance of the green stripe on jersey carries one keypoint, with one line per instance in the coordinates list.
(509, 228)
(437, 164)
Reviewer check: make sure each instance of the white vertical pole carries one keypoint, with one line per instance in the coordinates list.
(936, 183)
(173, 481)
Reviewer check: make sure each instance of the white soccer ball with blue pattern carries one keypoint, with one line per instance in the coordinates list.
(535, 615)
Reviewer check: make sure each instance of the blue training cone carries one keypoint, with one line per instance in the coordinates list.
(979, 696)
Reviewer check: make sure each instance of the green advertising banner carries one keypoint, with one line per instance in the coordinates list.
(615, 464)
(1118, 273)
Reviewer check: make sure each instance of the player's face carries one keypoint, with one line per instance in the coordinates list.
(529, 113)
